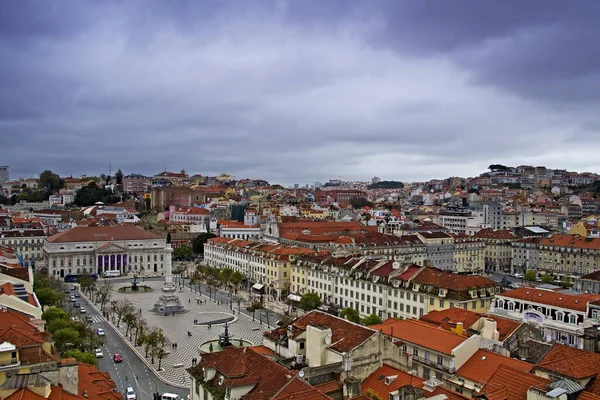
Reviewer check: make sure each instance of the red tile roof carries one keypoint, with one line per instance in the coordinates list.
(101, 233)
(511, 384)
(483, 364)
(570, 362)
(452, 281)
(297, 389)
(575, 241)
(572, 302)
(376, 382)
(447, 319)
(421, 334)
(345, 335)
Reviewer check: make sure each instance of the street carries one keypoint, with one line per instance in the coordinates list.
(132, 371)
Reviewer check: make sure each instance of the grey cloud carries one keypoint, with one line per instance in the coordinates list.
(289, 91)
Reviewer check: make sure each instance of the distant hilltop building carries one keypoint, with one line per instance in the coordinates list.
(4, 173)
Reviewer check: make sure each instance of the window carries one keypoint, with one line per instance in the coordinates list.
(572, 319)
(416, 351)
(441, 303)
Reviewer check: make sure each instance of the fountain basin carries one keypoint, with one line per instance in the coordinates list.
(139, 289)
(237, 343)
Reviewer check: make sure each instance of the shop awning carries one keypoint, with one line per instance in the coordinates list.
(258, 286)
(294, 297)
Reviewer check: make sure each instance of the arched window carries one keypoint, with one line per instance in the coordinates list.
(53, 263)
(500, 303)
(572, 319)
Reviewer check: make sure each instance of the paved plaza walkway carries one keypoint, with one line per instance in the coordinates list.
(175, 327)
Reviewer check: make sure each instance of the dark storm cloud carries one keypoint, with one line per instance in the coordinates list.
(297, 91)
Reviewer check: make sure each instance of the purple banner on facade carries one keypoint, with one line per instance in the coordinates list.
(119, 260)
(124, 259)
(106, 261)
(100, 261)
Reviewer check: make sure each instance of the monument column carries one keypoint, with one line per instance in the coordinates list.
(168, 301)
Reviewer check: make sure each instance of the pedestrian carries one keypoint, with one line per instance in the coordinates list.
(175, 345)
(173, 313)
(208, 326)
(197, 301)
(189, 301)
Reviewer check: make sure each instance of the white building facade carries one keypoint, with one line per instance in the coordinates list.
(96, 249)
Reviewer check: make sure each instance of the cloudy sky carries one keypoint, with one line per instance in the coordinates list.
(299, 91)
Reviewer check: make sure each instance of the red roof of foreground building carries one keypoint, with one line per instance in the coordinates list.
(483, 364)
(377, 384)
(345, 335)
(511, 384)
(570, 362)
(421, 334)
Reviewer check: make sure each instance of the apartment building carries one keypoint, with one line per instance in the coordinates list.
(569, 254)
(498, 249)
(440, 249)
(434, 352)
(190, 215)
(525, 254)
(462, 220)
(469, 254)
(386, 288)
(561, 317)
(27, 243)
(136, 183)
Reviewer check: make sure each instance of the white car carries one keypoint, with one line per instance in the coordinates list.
(130, 394)
(100, 332)
(73, 299)
(99, 353)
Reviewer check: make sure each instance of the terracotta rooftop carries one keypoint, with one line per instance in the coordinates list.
(451, 281)
(572, 302)
(489, 233)
(102, 233)
(511, 384)
(483, 364)
(421, 334)
(575, 241)
(345, 335)
(570, 362)
(297, 389)
(378, 385)
(447, 319)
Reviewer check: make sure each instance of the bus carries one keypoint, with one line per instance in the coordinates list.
(77, 277)
(113, 273)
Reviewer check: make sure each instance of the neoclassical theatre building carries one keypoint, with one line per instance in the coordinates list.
(96, 249)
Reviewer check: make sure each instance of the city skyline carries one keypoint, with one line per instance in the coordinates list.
(298, 92)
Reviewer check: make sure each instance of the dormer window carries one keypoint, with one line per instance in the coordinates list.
(560, 316)
(573, 319)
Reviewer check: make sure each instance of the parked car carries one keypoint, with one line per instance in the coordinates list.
(77, 304)
(117, 358)
(89, 318)
(170, 396)
(130, 394)
(99, 353)
(82, 310)
(100, 332)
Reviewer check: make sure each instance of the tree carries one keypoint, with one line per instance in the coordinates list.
(130, 320)
(225, 274)
(530, 275)
(65, 338)
(372, 319)
(54, 313)
(47, 297)
(359, 202)
(81, 356)
(547, 278)
(236, 278)
(198, 245)
(103, 293)
(310, 301)
(58, 324)
(256, 305)
(140, 330)
(122, 307)
(182, 253)
(350, 314)
(119, 177)
(169, 237)
(50, 182)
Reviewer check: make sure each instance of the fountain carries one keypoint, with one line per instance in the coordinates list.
(225, 341)
(135, 287)
(168, 302)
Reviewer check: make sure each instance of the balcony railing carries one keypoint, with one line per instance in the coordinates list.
(9, 364)
(434, 364)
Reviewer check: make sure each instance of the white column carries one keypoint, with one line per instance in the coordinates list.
(168, 266)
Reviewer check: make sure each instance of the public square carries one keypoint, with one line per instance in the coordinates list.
(176, 327)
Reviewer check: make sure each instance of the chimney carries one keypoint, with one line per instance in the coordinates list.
(489, 330)
(431, 384)
(459, 328)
